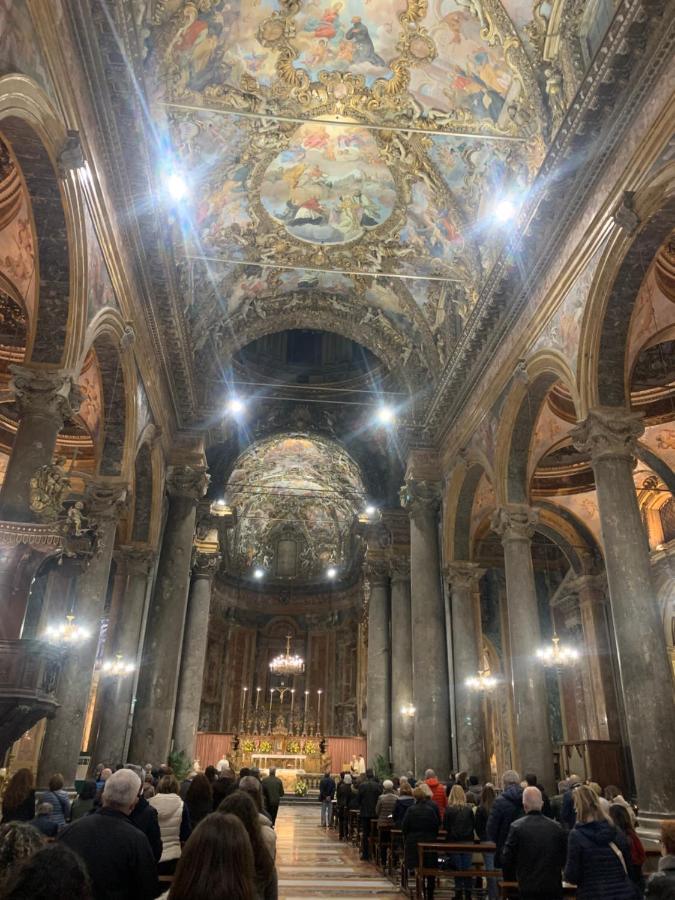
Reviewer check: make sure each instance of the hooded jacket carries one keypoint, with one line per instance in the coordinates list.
(506, 809)
(437, 795)
(594, 866)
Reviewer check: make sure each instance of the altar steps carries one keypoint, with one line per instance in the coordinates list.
(311, 798)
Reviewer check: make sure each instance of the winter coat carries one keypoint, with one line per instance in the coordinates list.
(506, 809)
(369, 791)
(80, 808)
(437, 794)
(170, 815)
(420, 825)
(268, 835)
(481, 817)
(60, 813)
(144, 817)
(384, 808)
(594, 866)
(534, 855)
(458, 823)
(403, 804)
(661, 885)
(273, 789)
(326, 788)
(344, 795)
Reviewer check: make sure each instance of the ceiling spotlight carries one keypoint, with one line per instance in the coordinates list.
(176, 186)
(258, 573)
(505, 211)
(331, 572)
(385, 415)
(236, 406)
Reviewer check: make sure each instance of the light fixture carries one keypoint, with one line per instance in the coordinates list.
(67, 633)
(117, 668)
(176, 185)
(484, 681)
(408, 710)
(557, 655)
(385, 415)
(371, 510)
(287, 664)
(505, 210)
(235, 406)
(258, 573)
(331, 572)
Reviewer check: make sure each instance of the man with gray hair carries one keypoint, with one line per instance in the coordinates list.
(535, 851)
(117, 855)
(506, 809)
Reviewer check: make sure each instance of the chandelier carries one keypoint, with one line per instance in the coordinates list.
(285, 664)
(117, 668)
(484, 681)
(67, 633)
(556, 655)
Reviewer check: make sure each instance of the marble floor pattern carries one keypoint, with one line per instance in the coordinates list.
(314, 863)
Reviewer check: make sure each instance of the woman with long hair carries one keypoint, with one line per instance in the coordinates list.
(420, 825)
(199, 799)
(481, 816)
(217, 863)
(458, 824)
(241, 804)
(619, 815)
(18, 803)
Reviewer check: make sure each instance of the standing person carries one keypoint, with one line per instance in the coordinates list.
(144, 816)
(174, 823)
(506, 809)
(619, 815)
(116, 853)
(84, 802)
(224, 785)
(344, 795)
(369, 790)
(531, 780)
(557, 801)
(199, 799)
(437, 791)
(481, 816)
(597, 854)
(241, 805)
(458, 824)
(59, 800)
(404, 801)
(535, 851)
(18, 803)
(217, 863)
(273, 789)
(251, 786)
(384, 810)
(326, 794)
(661, 885)
(568, 816)
(420, 825)
(52, 873)
(613, 795)
(223, 763)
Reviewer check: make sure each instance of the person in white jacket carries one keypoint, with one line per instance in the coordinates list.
(174, 823)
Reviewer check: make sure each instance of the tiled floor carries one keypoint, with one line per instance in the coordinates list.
(314, 863)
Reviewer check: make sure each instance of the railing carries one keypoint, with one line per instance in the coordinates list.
(29, 674)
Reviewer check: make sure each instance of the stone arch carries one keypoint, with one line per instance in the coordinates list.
(602, 374)
(461, 543)
(36, 136)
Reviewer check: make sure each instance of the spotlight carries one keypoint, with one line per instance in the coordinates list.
(385, 415)
(176, 185)
(505, 211)
(371, 510)
(236, 406)
(258, 573)
(331, 572)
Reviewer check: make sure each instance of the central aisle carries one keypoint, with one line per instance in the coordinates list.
(314, 863)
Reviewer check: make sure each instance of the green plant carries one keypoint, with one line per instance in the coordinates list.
(301, 788)
(180, 763)
(381, 768)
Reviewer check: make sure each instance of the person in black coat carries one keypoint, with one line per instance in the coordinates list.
(506, 809)
(535, 851)
(344, 796)
(661, 885)
(369, 791)
(420, 824)
(531, 780)
(459, 826)
(117, 855)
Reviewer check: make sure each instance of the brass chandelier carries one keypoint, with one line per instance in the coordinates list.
(287, 664)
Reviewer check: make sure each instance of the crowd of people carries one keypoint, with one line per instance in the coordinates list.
(140, 833)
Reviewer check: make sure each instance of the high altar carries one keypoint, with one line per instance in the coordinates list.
(292, 755)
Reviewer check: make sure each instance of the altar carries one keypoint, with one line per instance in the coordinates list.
(284, 761)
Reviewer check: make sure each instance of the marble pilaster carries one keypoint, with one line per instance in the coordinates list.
(204, 568)
(610, 436)
(158, 679)
(515, 524)
(463, 578)
(63, 738)
(378, 683)
(429, 655)
(402, 725)
(116, 693)
(44, 399)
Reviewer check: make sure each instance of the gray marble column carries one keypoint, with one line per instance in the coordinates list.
(116, 693)
(515, 525)
(402, 723)
(429, 655)
(63, 738)
(378, 684)
(44, 400)
(158, 680)
(204, 567)
(463, 578)
(610, 436)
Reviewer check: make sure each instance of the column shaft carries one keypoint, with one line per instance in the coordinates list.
(515, 525)
(194, 653)
(646, 679)
(378, 684)
(158, 680)
(402, 724)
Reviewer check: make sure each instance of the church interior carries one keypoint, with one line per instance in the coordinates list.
(337, 385)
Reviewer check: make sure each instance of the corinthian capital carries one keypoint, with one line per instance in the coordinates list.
(399, 567)
(205, 565)
(420, 498)
(138, 560)
(45, 392)
(187, 482)
(608, 432)
(515, 522)
(106, 500)
(463, 575)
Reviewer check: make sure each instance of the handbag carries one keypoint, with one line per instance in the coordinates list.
(619, 854)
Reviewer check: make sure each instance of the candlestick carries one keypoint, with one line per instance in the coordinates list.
(304, 717)
(269, 722)
(292, 702)
(318, 712)
(257, 699)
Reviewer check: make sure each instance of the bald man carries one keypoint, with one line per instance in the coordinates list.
(534, 852)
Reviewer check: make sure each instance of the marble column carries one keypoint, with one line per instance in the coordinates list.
(610, 436)
(116, 693)
(378, 684)
(62, 745)
(44, 400)
(429, 655)
(515, 525)
(158, 680)
(204, 567)
(463, 578)
(402, 724)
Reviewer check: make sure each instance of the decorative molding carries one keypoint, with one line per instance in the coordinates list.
(204, 565)
(609, 433)
(50, 393)
(422, 499)
(516, 522)
(187, 483)
(463, 575)
(138, 560)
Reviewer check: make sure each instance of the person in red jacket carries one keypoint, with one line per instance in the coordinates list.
(437, 791)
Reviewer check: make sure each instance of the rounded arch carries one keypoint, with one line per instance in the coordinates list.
(603, 343)
(464, 489)
(36, 135)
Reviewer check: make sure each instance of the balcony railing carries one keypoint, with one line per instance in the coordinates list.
(29, 674)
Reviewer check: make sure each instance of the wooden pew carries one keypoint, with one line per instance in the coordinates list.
(425, 869)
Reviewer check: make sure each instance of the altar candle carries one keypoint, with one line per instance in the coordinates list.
(304, 718)
(269, 723)
(292, 702)
(257, 699)
(318, 712)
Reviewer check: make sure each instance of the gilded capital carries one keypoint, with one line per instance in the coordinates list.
(516, 522)
(420, 498)
(463, 575)
(609, 433)
(205, 565)
(45, 392)
(187, 482)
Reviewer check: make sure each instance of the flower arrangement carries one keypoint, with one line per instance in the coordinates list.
(265, 747)
(311, 747)
(293, 747)
(248, 746)
(301, 788)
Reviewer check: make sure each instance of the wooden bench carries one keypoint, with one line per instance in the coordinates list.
(509, 890)
(443, 849)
